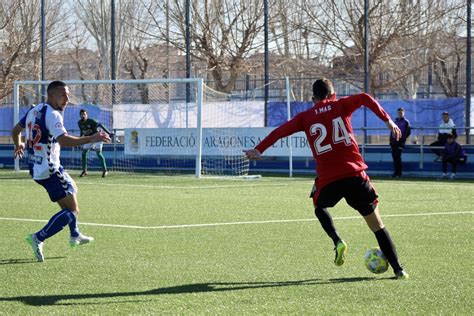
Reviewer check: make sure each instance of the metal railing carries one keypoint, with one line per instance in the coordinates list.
(425, 136)
(420, 136)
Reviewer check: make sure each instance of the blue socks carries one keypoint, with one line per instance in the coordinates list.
(73, 226)
(56, 224)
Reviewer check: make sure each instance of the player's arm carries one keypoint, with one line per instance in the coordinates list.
(19, 150)
(356, 101)
(66, 140)
(54, 122)
(292, 126)
(104, 129)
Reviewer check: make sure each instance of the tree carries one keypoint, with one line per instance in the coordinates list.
(449, 56)
(96, 16)
(20, 46)
(401, 35)
(224, 34)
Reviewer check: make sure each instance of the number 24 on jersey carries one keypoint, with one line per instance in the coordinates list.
(339, 135)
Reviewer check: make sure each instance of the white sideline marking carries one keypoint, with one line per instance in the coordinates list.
(189, 187)
(195, 187)
(237, 223)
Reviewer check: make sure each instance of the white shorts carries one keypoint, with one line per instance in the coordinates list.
(93, 146)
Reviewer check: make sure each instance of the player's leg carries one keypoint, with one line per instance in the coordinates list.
(85, 152)
(327, 223)
(70, 202)
(444, 162)
(328, 196)
(59, 187)
(77, 238)
(102, 162)
(100, 155)
(397, 161)
(363, 198)
(375, 223)
(55, 224)
(454, 166)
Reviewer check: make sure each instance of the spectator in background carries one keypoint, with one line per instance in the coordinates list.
(398, 145)
(446, 127)
(453, 154)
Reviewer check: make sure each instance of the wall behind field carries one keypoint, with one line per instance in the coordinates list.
(421, 113)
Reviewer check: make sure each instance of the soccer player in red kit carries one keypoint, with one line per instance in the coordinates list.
(340, 167)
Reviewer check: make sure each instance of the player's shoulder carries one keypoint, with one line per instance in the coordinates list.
(355, 96)
(53, 114)
(306, 114)
(52, 111)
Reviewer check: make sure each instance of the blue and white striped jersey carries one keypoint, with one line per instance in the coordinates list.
(43, 126)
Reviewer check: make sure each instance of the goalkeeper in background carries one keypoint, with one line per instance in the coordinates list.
(89, 127)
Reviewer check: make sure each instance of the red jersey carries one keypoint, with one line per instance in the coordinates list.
(328, 128)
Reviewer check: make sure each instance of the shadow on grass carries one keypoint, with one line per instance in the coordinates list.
(44, 300)
(24, 261)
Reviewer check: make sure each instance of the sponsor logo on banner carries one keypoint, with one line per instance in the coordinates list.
(134, 143)
(215, 142)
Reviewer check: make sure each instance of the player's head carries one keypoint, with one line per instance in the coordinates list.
(83, 114)
(401, 112)
(445, 116)
(58, 95)
(322, 89)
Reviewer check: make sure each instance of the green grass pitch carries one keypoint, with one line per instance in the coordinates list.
(179, 245)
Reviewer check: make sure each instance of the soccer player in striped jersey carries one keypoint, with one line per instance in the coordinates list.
(45, 135)
(340, 167)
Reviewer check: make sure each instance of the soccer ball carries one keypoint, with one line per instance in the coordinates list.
(375, 261)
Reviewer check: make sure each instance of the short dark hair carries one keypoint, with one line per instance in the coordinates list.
(56, 84)
(82, 111)
(445, 113)
(401, 109)
(322, 89)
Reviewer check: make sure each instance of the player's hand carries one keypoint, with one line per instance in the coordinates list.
(394, 129)
(101, 137)
(104, 137)
(253, 154)
(19, 151)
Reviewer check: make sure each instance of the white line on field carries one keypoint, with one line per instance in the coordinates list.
(237, 223)
(186, 187)
(245, 184)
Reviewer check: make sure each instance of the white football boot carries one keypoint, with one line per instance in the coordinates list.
(80, 240)
(37, 246)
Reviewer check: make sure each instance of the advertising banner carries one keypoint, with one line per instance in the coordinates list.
(215, 142)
